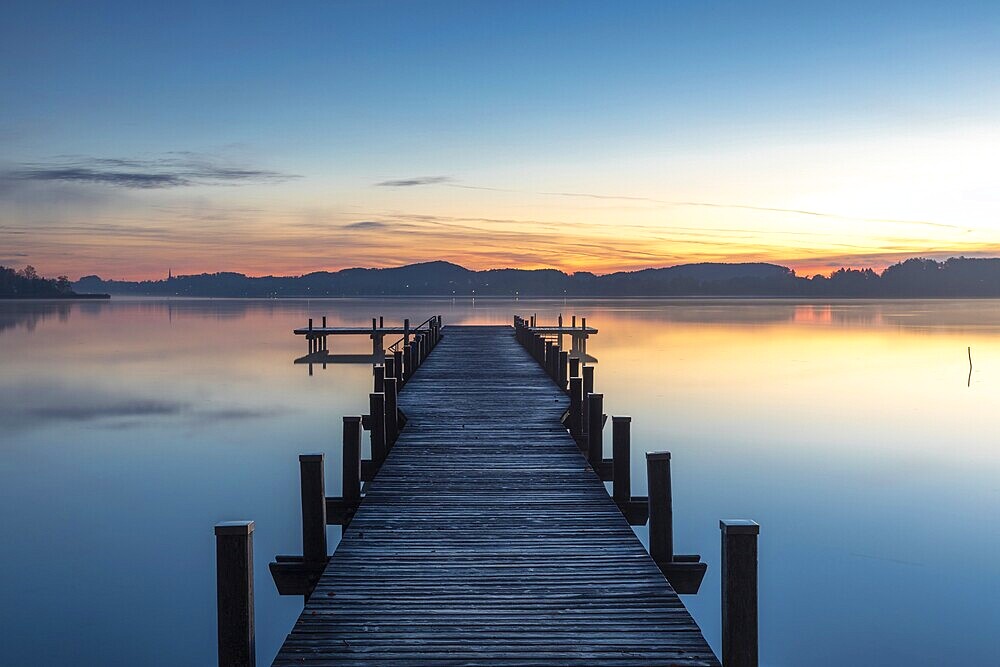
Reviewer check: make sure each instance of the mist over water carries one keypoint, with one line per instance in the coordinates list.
(851, 431)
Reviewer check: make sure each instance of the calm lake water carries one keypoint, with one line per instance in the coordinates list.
(851, 431)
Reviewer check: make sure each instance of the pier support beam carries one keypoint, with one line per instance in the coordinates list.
(661, 510)
(313, 491)
(234, 593)
(684, 572)
(739, 592)
(376, 426)
(595, 429)
(563, 374)
(397, 364)
(391, 411)
(621, 448)
(351, 475)
(575, 421)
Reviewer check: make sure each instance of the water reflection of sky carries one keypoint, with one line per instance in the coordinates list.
(846, 429)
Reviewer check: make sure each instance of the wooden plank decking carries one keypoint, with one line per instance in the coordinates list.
(486, 539)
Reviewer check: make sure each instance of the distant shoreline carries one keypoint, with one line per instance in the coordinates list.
(53, 297)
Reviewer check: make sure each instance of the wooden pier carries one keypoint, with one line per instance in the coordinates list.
(484, 534)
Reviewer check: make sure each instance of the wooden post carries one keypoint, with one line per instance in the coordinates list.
(313, 491)
(576, 406)
(406, 331)
(621, 465)
(739, 592)
(234, 593)
(661, 513)
(379, 372)
(391, 418)
(376, 409)
(583, 323)
(588, 388)
(574, 367)
(408, 361)
(381, 322)
(574, 321)
(397, 362)
(390, 367)
(351, 479)
(595, 429)
(563, 369)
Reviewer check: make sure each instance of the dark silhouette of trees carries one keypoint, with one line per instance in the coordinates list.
(27, 283)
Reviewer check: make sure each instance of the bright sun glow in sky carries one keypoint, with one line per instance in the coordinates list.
(287, 138)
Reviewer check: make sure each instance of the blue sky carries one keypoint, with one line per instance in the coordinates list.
(797, 106)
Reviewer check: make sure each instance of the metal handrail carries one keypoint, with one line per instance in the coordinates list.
(398, 343)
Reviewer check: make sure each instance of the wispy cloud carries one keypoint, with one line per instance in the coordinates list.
(174, 170)
(417, 180)
(742, 207)
(450, 182)
(367, 224)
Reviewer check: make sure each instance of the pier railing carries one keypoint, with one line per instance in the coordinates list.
(433, 322)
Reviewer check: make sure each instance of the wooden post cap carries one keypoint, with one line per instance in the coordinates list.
(352, 419)
(621, 419)
(657, 456)
(234, 528)
(739, 527)
(310, 457)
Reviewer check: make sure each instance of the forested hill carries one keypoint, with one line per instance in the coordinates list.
(956, 277)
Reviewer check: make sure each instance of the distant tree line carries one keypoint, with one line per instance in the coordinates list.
(27, 283)
(956, 277)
